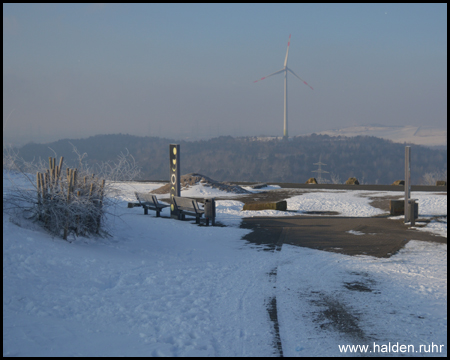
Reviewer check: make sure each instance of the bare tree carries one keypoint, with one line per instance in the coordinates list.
(124, 169)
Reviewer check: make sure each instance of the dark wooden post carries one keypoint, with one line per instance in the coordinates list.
(174, 157)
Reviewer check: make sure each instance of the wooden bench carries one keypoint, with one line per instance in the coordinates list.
(149, 201)
(258, 186)
(187, 206)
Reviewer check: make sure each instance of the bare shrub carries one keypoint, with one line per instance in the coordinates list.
(335, 179)
(432, 177)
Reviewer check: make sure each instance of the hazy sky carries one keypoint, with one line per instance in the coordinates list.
(187, 70)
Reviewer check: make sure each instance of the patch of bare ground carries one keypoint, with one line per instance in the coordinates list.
(334, 315)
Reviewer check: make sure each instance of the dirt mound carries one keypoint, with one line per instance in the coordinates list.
(312, 181)
(352, 181)
(399, 182)
(193, 179)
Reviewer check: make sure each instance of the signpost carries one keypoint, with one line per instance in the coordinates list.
(174, 176)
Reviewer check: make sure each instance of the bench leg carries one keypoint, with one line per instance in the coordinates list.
(197, 220)
(145, 211)
(207, 221)
(157, 213)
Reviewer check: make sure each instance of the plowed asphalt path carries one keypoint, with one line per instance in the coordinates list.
(376, 236)
(379, 237)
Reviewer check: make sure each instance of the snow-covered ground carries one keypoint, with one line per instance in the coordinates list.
(162, 287)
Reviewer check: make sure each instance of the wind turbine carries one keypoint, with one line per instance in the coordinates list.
(285, 69)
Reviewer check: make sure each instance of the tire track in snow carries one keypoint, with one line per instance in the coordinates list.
(272, 302)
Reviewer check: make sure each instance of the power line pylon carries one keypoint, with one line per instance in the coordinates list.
(320, 171)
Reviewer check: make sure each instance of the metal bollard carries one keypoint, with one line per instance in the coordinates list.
(210, 211)
(413, 211)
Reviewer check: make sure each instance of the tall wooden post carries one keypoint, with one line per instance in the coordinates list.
(407, 183)
(99, 217)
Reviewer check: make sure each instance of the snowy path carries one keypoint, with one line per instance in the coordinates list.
(328, 299)
(149, 292)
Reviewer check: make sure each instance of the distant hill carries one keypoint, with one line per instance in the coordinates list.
(425, 136)
(370, 159)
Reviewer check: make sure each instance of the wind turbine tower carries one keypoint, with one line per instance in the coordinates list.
(285, 70)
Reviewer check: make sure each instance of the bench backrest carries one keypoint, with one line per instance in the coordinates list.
(143, 197)
(184, 202)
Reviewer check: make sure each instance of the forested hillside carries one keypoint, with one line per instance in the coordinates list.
(372, 160)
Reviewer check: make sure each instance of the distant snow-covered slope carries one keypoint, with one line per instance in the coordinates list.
(399, 134)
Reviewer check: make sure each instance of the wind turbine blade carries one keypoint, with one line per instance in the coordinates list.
(276, 72)
(300, 78)
(287, 51)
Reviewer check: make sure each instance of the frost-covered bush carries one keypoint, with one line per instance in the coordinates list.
(64, 200)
